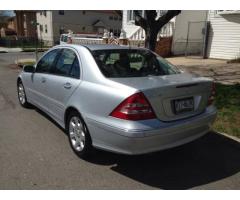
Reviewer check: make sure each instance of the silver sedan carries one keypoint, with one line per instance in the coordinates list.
(117, 98)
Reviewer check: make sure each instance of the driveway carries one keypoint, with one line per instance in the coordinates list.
(35, 154)
(219, 70)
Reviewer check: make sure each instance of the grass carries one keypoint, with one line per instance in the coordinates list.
(228, 104)
(23, 62)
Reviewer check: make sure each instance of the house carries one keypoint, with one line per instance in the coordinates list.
(53, 23)
(23, 23)
(20, 24)
(224, 34)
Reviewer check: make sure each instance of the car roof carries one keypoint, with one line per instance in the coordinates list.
(94, 47)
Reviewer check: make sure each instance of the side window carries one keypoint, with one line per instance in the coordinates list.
(45, 64)
(75, 71)
(67, 64)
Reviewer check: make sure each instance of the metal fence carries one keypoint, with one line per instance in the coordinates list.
(22, 42)
(195, 38)
(195, 42)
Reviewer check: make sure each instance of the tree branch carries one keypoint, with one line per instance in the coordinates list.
(167, 17)
(139, 20)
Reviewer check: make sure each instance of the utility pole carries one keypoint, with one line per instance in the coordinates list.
(35, 24)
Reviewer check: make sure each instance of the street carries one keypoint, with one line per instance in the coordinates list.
(35, 154)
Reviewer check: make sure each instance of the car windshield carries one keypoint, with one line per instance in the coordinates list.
(120, 63)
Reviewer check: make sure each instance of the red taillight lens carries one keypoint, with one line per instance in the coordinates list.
(135, 107)
(212, 95)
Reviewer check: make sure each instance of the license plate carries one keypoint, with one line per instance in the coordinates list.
(183, 105)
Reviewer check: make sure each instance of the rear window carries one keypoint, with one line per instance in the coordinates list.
(132, 63)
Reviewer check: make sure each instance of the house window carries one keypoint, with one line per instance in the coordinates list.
(46, 28)
(41, 27)
(41, 13)
(131, 14)
(61, 12)
(111, 17)
(45, 13)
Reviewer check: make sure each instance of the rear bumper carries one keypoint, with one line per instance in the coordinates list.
(162, 135)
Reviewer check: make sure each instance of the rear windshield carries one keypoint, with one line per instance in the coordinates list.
(132, 63)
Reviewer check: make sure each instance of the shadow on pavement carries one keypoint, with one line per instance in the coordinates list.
(208, 159)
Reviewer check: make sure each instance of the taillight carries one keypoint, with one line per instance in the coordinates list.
(135, 107)
(212, 95)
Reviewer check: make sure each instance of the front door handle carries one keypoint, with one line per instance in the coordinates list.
(67, 85)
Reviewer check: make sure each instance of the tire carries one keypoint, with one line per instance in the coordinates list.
(22, 98)
(78, 134)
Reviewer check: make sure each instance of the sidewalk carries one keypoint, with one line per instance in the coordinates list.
(10, 50)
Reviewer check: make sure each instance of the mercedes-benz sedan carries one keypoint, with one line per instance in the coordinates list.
(118, 98)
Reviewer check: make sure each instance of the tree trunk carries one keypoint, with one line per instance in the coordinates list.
(151, 37)
(153, 26)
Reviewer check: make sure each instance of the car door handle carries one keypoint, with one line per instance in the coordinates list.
(43, 80)
(67, 85)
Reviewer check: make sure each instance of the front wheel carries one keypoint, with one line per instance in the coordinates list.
(78, 135)
(22, 95)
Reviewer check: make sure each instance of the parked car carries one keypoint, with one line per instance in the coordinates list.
(118, 98)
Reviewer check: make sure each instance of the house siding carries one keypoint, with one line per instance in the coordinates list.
(45, 20)
(224, 36)
(128, 26)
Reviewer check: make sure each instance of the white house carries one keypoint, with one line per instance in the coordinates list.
(52, 23)
(224, 34)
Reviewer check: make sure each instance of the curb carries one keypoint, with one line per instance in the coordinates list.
(236, 139)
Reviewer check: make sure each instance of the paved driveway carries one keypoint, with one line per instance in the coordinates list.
(219, 70)
(35, 154)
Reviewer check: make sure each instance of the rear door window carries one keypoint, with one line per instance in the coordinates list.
(67, 64)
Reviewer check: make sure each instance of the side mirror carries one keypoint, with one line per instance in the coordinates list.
(29, 68)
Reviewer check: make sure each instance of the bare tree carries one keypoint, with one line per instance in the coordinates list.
(152, 26)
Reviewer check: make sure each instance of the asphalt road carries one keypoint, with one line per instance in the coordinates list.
(35, 154)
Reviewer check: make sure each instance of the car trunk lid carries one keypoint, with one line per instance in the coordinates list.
(169, 92)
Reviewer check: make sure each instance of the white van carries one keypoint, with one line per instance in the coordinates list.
(67, 38)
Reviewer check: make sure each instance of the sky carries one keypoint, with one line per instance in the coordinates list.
(7, 13)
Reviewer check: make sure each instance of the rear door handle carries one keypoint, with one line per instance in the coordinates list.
(43, 80)
(67, 85)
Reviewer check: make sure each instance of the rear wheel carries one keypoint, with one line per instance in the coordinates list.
(78, 135)
(22, 95)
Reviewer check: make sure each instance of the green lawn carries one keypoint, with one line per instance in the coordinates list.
(228, 104)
